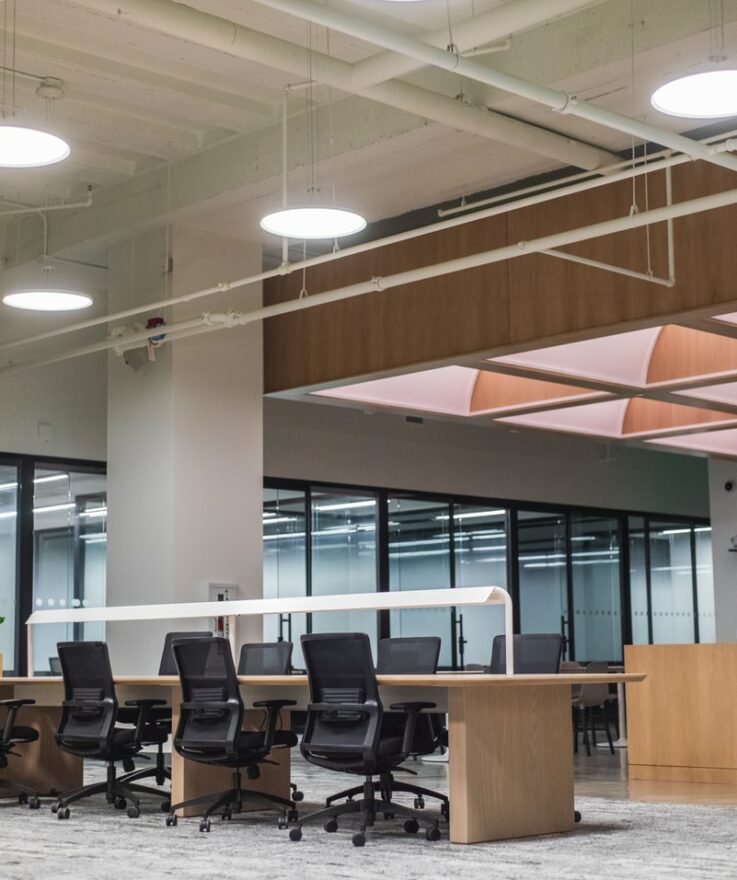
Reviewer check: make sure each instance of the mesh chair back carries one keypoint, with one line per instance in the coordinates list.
(408, 656)
(265, 658)
(534, 654)
(340, 670)
(168, 665)
(212, 709)
(90, 703)
(54, 666)
(595, 694)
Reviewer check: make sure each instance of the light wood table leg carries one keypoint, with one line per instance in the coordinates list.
(190, 779)
(511, 763)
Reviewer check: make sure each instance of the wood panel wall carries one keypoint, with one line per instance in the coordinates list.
(525, 302)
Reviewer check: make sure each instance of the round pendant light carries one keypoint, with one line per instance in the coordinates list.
(30, 147)
(708, 95)
(48, 300)
(313, 222)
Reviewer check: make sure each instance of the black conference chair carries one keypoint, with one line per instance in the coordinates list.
(88, 728)
(210, 730)
(54, 666)
(409, 656)
(534, 654)
(160, 716)
(345, 732)
(11, 735)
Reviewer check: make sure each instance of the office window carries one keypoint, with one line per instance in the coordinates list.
(543, 572)
(672, 587)
(8, 564)
(344, 555)
(638, 581)
(419, 559)
(69, 550)
(597, 599)
(285, 563)
(481, 550)
(705, 584)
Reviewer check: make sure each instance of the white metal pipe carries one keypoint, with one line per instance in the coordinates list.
(222, 287)
(495, 24)
(87, 203)
(205, 29)
(609, 267)
(554, 98)
(206, 323)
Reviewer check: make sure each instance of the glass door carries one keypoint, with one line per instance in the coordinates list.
(672, 582)
(543, 573)
(8, 568)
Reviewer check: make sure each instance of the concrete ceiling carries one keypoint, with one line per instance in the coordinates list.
(163, 127)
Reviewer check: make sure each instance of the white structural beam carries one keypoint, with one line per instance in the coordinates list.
(217, 33)
(478, 30)
(442, 598)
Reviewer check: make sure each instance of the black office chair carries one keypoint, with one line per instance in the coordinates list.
(54, 666)
(210, 730)
(344, 732)
(534, 654)
(159, 715)
(88, 728)
(409, 656)
(11, 735)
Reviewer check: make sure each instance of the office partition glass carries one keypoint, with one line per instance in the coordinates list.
(671, 583)
(638, 581)
(285, 563)
(597, 588)
(705, 584)
(543, 572)
(344, 555)
(481, 556)
(420, 559)
(8, 563)
(69, 550)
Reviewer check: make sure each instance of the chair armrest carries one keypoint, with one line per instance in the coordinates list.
(139, 704)
(412, 707)
(16, 704)
(13, 706)
(274, 704)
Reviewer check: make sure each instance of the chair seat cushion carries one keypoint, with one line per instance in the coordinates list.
(21, 734)
(253, 740)
(124, 736)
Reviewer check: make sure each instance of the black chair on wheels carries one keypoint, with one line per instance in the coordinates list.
(409, 656)
(345, 732)
(88, 728)
(210, 730)
(11, 735)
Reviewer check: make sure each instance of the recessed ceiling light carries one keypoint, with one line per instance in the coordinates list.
(707, 95)
(48, 300)
(30, 147)
(313, 222)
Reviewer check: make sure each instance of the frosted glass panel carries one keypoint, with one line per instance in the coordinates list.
(705, 584)
(419, 559)
(638, 582)
(671, 583)
(8, 576)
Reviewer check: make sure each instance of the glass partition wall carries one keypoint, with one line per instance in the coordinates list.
(601, 578)
(9, 491)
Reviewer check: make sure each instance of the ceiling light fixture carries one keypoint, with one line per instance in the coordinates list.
(47, 300)
(708, 95)
(30, 147)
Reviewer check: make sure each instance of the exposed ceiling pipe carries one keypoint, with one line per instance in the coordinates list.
(495, 24)
(556, 99)
(205, 29)
(208, 322)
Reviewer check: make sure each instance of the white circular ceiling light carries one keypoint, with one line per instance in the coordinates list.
(708, 95)
(30, 147)
(47, 300)
(313, 222)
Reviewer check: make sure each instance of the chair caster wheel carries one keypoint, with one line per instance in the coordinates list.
(292, 816)
(295, 834)
(359, 839)
(576, 816)
(55, 807)
(445, 811)
(419, 803)
(205, 825)
(34, 803)
(120, 803)
(165, 806)
(133, 812)
(411, 826)
(432, 833)
(171, 820)
(298, 796)
(62, 813)
(331, 826)
(22, 799)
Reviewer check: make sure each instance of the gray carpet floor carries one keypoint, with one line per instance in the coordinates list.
(617, 839)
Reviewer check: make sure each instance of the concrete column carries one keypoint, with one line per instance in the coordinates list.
(723, 505)
(185, 454)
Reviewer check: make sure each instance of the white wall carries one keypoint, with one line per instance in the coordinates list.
(724, 528)
(320, 442)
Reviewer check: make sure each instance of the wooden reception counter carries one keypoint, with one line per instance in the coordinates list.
(682, 720)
